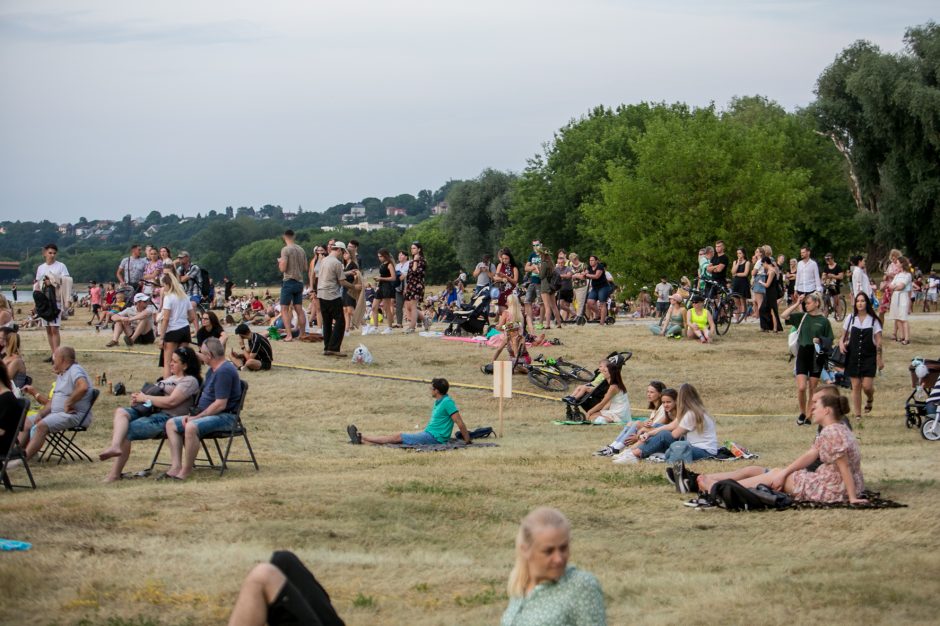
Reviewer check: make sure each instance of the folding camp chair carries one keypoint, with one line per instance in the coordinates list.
(62, 444)
(237, 430)
(161, 437)
(14, 452)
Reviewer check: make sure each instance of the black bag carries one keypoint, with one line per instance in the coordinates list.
(151, 390)
(732, 496)
(45, 301)
(837, 357)
(481, 433)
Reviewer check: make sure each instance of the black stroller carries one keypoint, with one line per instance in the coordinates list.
(472, 318)
(915, 409)
(575, 407)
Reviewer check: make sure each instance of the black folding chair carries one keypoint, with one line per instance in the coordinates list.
(237, 430)
(14, 452)
(161, 437)
(62, 444)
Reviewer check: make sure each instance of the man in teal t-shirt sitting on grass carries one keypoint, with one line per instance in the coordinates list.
(440, 426)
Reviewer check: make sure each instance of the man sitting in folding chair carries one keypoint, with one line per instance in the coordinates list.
(215, 412)
(69, 406)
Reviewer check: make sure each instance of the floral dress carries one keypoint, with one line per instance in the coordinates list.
(414, 280)
(825, 484)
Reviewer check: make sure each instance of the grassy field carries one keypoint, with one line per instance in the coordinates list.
(418, 538)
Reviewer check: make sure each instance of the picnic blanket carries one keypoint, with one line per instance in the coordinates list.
(875, 501)
(574, 423)
(440, 447)
(11, 545)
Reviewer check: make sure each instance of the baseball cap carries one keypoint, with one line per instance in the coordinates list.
(141, 297)
(182, 254)
(339, 244)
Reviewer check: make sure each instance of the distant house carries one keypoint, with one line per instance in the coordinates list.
(151, 230)
(327, 229)
(358, 210)
(394, 211)
(439, 209)
(366, 226)
(289, 216)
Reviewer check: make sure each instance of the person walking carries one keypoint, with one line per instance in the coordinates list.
(94, 301)
(291, 264)
(813, 329)
(13, 290)
(861, 343)
(330, 281)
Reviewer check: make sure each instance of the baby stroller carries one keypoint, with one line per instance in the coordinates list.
(575, 407)
(472, 318)
(833, 370)
(924, 373)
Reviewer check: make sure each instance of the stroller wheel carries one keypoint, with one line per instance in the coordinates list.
(611, 320)
(931, 429)
(912, 421)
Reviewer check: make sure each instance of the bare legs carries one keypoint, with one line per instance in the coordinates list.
(183, 448)
(859, 385)
(805, 388)
(120, 448)
(259, 590)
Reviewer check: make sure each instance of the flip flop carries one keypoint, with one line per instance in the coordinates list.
(868, 406)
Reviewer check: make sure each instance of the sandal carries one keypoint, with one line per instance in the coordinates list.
(868, 406)
(905, 342)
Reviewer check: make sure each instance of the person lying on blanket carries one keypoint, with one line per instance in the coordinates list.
(838, 478)
(443, 417)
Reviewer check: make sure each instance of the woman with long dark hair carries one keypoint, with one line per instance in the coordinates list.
(861, 343)
(769, 316)
(10, 412)
(385, 298)
(740, 280)
(506, 277)
(414, 285)
(615, 405)
(658, 415)
(210, 326)
(149, 413)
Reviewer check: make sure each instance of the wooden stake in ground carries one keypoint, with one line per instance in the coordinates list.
(502, 386)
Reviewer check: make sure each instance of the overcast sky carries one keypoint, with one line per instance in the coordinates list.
(118, 107)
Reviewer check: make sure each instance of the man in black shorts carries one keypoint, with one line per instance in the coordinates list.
(257, 355)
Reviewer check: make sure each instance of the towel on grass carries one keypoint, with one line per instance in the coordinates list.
(440, 447)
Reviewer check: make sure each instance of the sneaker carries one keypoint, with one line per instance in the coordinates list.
(699, 503)
(569, 400)
(606, 451)
(625, 458)
(679, 476)
(355, 437)
(387, 331)
(671, 477)
(801, 420)
(408, 331)
(111, 344)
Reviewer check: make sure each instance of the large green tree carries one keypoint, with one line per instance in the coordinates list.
(438, 249)
(882, 112)
(695, 179)
(477, 214)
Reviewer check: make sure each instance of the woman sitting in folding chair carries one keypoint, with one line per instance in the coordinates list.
(147, 416)
(10, 411)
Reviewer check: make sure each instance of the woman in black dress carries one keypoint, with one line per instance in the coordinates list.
(769, 316)
(861, 343)
(740, 281)
(385, 297)
(10, 411)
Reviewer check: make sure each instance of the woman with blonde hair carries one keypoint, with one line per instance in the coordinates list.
(12, 358)
(892, 269)
(178, 314)
(543, 588)
(6, 311)
(512, 324)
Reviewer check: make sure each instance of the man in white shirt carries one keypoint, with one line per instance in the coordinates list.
(136, 322)
(807, 274)
(58, 270)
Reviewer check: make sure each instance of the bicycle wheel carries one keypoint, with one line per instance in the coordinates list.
(722, 317)
(839, 314)
(547, 381)
(575, 372)
(930, 430)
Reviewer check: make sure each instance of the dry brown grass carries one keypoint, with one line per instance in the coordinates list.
(408, 538)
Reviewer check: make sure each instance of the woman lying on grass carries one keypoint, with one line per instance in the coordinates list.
(837, 479)
(615, 406)
(690, 438)
(662, 403)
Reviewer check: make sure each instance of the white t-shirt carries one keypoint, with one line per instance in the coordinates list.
(57, 267)
(857, 322)
(178, 311)
(663, 290)
(932, 284)
(706, 439)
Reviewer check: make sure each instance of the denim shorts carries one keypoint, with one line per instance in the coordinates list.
(144, 426)
(423, 438)
(600, 295)
(292, 292)
(207, 424)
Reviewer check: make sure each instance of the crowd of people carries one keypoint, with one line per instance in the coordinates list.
(158, 299)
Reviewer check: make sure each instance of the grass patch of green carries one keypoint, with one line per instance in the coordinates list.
(363, 602)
